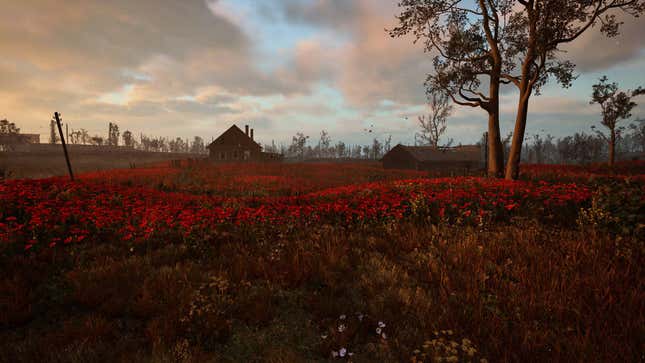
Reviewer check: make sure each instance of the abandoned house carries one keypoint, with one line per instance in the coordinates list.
(467, 157)
(237, 145)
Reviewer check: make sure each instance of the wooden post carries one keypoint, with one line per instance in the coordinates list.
(485, 145)
(62, 141)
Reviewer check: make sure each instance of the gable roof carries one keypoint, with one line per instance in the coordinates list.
(429, 153)
(234, 136)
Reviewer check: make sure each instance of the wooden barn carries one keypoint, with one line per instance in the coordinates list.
(235, 145)
(467, 157)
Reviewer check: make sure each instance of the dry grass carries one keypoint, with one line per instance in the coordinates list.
(523, 291)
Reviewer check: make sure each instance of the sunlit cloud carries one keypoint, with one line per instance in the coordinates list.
(190, 68)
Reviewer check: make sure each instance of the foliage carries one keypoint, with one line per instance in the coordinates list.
(7, 127)
(615, 106)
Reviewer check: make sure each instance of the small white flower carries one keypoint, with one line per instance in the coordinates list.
(342, 352)
(381, 324)
(350, 354)
(324, 336)
(378, 330)
(342, 328)
(342, 317)
(360, 316)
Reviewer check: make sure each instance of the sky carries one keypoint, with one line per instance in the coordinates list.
(194, 67)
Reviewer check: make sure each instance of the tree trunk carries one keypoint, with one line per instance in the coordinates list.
(513, 163)
(612, 148)
(495, 150)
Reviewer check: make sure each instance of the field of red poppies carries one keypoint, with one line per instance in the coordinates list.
(278, 262)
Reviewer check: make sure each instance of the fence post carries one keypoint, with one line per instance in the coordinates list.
(62, 141)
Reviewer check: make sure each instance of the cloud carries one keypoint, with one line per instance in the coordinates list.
(196, 66)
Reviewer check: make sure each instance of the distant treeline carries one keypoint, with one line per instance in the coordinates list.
(324, 148)
(584, 148)
(129, 140)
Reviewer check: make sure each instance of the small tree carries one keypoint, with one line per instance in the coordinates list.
(197, 147)
(387, 145)
(323, 144)
(615, 106)
(298, 143)
(377, 149)
(113, 135)
(53, 137)
(434, 125)
(7, 128)
(97, 140)
(637, 136)
(128, 139)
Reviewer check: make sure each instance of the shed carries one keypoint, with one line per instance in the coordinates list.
(430, 158)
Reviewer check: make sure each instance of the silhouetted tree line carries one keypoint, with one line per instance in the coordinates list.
(583, 148)
(324, 148)
(128, 140)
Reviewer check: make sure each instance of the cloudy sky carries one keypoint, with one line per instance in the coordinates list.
(194, 67)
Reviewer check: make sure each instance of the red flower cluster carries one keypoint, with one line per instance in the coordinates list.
(54, 212)
(633, 170)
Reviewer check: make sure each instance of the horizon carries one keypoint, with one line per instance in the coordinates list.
(194, 69)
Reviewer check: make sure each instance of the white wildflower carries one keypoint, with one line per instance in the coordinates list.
(342, 317)
(378, 330)
(381, 324)
(342, 352)
(342, 328)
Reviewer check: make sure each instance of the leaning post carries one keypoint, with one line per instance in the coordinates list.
(62, 141)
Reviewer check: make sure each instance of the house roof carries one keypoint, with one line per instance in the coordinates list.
(429, 153)
(234, 136)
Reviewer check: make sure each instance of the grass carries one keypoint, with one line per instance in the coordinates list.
(518, 292)
(527, 289)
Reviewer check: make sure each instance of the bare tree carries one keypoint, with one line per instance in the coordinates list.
(113, 135)
(324, 144)
(376, 150)
(616, 106)
(434, 125)
(53, 137)
(297, 146)
(198, 146)
(128, 139)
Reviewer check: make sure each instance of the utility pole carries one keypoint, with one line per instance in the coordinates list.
(62, 141)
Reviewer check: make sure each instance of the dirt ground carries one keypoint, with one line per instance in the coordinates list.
(43, 164)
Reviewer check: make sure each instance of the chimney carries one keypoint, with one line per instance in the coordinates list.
(246, 127)
(251, 134)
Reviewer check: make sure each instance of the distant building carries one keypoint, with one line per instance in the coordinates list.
(237, 145)
(430, 158)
